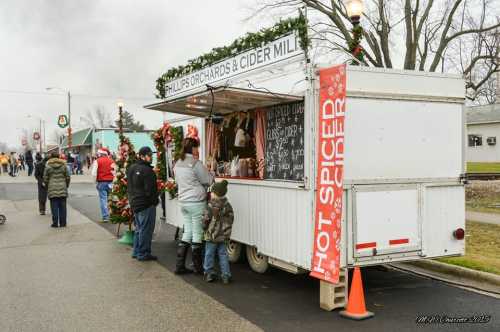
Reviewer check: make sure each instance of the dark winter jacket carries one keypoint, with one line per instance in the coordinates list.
(39, 168)
(56, 178)
(218, 220)
(141, 186)
(29, 157)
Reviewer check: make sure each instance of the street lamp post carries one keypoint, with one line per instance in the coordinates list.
(70, 136)
(355, 9)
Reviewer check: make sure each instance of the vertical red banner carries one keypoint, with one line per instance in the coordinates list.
(330, 174)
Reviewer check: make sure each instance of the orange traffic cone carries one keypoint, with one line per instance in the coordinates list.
(356, 302)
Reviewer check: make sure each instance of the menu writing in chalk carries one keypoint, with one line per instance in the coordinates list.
(285, 142)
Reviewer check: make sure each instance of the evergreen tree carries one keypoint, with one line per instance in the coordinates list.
(129, 122)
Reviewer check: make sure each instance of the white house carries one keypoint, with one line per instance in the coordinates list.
(483, 132)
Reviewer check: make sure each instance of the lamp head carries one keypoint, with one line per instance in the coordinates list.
(120, 104)
(355, 9)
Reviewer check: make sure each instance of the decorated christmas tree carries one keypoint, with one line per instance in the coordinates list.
(120, 211)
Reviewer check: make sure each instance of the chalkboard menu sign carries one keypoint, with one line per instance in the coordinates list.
(285, 142)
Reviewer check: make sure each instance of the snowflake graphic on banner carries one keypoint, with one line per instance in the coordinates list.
(340, 88)
(331, 91)
(333, 266)
(337, 244)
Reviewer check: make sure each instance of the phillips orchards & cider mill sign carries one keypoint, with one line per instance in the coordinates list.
(330, 172)
(281, 49)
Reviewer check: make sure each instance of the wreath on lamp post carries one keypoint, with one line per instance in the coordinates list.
(163, 138)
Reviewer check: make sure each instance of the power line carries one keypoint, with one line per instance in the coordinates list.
(79, 95)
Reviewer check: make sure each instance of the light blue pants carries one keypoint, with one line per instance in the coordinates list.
(103, 189)
(192, 214)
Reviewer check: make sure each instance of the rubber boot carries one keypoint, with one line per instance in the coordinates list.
(180, 264)
(197, 252)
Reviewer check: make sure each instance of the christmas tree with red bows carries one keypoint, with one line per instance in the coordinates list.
(120, 211)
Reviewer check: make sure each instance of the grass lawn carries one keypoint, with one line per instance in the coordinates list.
(483, 196)
(483, 167)
(482, 248)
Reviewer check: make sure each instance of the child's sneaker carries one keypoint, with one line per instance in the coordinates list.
(210, 277)
(226, 280)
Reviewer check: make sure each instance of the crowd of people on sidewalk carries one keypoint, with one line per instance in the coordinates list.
(13, 163)
(208, 215)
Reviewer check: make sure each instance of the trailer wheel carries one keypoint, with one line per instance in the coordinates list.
(258, 262)
(234, 250)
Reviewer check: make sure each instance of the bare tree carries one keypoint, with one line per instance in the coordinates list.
(425, 35)
(97, 118)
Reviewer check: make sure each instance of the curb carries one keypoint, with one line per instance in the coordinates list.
(459, 271)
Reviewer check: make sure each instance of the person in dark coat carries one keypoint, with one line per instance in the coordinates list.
(143, 197)
(29, 161)
(56, 178)
(42, 190)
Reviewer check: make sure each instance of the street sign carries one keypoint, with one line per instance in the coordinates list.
(62, 121)
(36, 136)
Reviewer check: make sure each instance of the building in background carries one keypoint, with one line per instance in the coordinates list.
(483, 133)
(88, 141)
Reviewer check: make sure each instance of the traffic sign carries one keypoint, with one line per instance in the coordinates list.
(62, 121)
(36, 136)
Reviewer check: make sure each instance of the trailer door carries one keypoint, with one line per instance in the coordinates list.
(386, 219)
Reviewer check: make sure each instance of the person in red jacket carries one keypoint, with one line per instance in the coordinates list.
(103, 172)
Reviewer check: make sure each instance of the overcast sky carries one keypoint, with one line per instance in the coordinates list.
(113, 48)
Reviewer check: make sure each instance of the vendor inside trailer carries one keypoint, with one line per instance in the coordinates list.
(249, 134)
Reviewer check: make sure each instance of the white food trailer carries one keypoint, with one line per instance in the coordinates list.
(403, 162)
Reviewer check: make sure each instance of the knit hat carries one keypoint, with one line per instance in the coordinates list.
(145, 151)
(220, 188)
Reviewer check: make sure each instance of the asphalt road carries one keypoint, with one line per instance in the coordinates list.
(279, 301)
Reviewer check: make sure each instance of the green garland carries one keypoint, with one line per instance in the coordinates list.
(177, 138)
(250, 41)
(355, 45)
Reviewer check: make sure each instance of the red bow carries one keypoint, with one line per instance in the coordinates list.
(192, 132)
(165, 130)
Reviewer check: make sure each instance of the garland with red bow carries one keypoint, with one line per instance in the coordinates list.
(120, 211)
(162, 138)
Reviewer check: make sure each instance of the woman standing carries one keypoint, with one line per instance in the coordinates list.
(42, 190)
(56, 178)
(193, 180)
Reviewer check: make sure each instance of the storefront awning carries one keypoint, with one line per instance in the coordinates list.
(78, 138)
(225, 100)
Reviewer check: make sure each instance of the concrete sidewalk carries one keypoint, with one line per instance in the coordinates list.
(489, 218)
(79, 278)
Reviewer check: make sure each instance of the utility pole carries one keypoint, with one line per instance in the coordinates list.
(40, 136)
(70, 134)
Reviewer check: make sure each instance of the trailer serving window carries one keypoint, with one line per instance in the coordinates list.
(249, 134)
